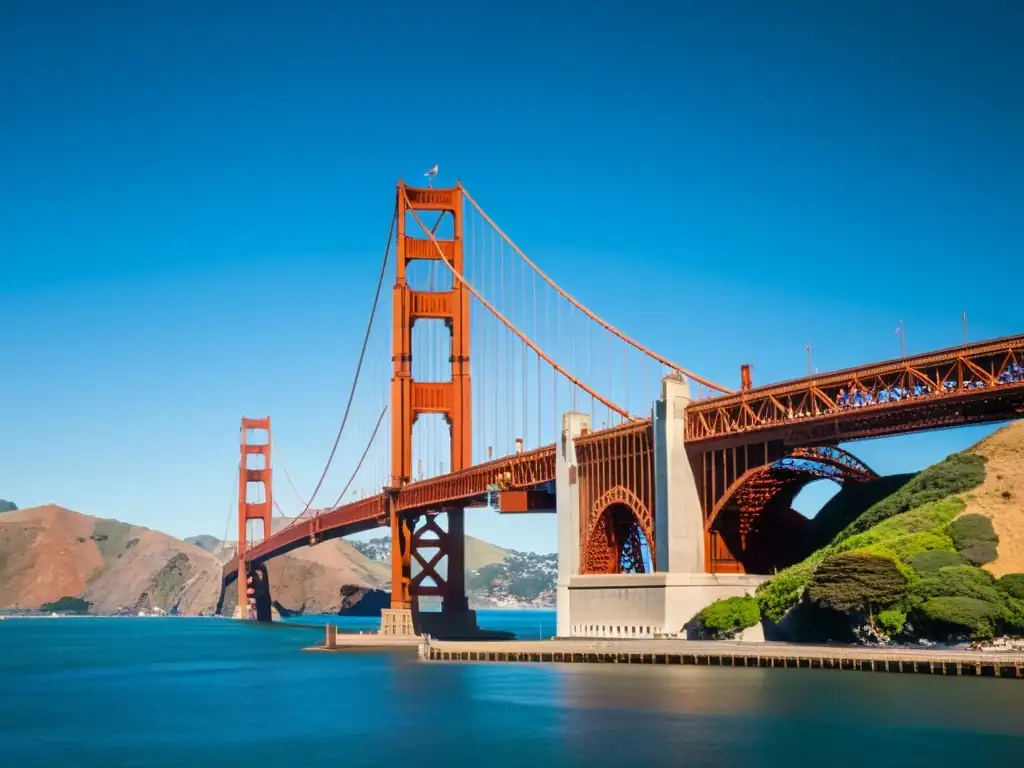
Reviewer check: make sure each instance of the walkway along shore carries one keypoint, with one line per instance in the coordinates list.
(729, 654)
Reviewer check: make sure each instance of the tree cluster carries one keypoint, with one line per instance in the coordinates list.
(910, 565)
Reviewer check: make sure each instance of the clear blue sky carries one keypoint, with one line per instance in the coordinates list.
(194, 197)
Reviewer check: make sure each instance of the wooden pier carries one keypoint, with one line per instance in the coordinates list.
(731, 654)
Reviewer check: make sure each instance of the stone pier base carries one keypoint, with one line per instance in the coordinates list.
(648, 605)
(397, 622)
(454, 625)
(275, 615)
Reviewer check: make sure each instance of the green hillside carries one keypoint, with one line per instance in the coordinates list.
(911, 566)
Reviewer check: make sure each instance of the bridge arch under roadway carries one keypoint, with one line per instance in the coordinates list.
(620, 536)
(752, 527)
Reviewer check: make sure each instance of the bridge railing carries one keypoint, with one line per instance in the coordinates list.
(971, 371)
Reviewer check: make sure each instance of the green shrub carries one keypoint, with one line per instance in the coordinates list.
(974, 537)
(67, 604)
(1014, 615)
(778, 595)
(980, 553)
(857, 581)
(1011, 584)
(924, 519)
(883, 550)
(929, 563)
(971, 529)
(733, 614)
(958, 581)
(891, 621)
(910, 546)
(978, 617)
(958, 473)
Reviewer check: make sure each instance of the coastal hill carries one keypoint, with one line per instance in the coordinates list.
(50, 552)
(939, 559)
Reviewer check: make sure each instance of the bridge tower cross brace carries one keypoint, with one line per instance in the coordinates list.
(410, 399)
(262, 475)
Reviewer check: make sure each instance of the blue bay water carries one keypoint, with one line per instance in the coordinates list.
(199, 692)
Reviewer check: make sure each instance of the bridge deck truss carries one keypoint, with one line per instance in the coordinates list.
(972, 384)
(615, 469)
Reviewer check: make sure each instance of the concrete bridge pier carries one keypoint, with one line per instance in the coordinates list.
(567, 511)
(647, 604)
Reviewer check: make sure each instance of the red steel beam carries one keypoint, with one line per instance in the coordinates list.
(520, 471)
(960, 385)
(511, 473)
(359, 515)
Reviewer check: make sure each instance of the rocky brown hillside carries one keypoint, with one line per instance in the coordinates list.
(1000, 497)
(51, 552)
(48, 553)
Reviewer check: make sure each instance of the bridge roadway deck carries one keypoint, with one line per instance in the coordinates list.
(467, 487)
(731, 654)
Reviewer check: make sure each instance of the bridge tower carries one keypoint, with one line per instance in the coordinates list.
(255, 478)
(410, 398)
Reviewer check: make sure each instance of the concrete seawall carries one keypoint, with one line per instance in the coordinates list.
(730, 654)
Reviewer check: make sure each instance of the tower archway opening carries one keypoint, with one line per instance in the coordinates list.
(618, 544)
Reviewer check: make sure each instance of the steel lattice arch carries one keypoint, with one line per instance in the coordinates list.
(754, 519)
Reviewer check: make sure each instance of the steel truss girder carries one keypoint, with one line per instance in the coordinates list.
(962, 385)
(520, 471)
(754, 489)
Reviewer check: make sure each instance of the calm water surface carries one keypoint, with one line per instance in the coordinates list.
(197, 692)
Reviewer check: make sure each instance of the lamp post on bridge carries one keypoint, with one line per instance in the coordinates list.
(903, 340)
(808, 348)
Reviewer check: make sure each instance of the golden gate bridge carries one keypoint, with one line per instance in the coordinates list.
(486, 355)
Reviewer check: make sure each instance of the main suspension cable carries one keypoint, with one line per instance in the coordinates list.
(510, 326)
(275, 450)
(233, 506)
(362, 458)
(359, 364)
(600, 321)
